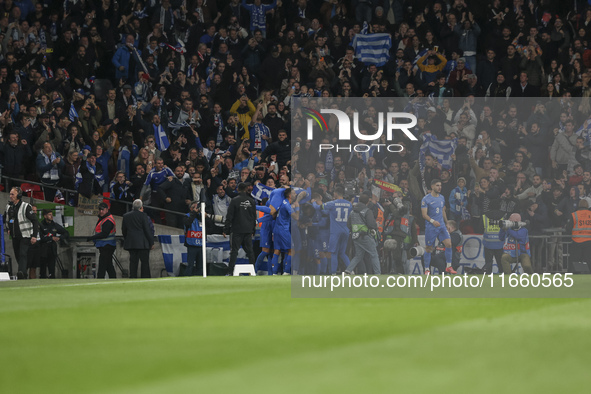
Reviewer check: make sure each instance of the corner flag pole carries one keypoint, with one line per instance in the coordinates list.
(203, 239)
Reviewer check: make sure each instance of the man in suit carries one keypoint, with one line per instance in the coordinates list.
(139, 239)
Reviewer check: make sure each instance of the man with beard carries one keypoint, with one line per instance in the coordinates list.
(137, 180)
(532, 192)
(14, 155)
(173, 192)
(281, 148)
(273, 122)
(499, 89)
(157, 176)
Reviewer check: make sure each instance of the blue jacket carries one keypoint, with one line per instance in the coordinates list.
(513, 237)
(122, 57)
(42, 167)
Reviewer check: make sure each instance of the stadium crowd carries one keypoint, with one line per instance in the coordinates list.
(174, 101)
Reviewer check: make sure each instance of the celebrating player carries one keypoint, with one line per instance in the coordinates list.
(338, 210)
(433, 210)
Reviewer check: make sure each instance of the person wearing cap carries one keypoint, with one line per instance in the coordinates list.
(579, 227)
(500, 88)
(241, 225)
(138, 237)
(50, 234)
(104, 240)
(128, 98)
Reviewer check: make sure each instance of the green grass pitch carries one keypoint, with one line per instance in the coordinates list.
(247, 335)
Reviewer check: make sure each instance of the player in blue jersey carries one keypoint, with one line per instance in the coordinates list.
(282, 232)
(338, 211)
(321, 235)
(266, 237)
(275, 199)
(433, 210)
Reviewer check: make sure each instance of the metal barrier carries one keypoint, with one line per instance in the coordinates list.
(10, 182)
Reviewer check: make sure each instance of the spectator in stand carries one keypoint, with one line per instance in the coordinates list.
(173, 192)
(49, 168)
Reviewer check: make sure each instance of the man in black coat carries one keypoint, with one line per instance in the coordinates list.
(241, 223)
(14, 155)
(50, 233)
(138, 239)
(281, 148)
(173, 192)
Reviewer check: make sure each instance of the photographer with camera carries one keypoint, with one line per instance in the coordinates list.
(516, 248)
(579, 227)
(399, 234)
(363, 226)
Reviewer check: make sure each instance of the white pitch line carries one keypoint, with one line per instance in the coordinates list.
(99, 283)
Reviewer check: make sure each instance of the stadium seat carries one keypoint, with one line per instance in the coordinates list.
(34, 191)
(244, 269)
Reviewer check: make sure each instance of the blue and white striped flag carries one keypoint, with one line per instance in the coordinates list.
(176, 126)
(441, 150)
(260, 191)
(174, 251)
(73, 114)
(365, 28)
(372, 48)
(161, 138)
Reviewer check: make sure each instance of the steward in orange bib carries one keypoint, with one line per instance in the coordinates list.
(579, 226)
(104, 240)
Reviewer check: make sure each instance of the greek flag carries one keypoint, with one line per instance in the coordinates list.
(365, 28)
(176, 126)
(372, 48)
(441, 150)
(260, 191)
(72, 114)
(160, 137)
(174, 252)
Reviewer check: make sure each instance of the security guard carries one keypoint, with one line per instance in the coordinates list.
(193, 240)
(104, 240)
(51, 234)
(23, 227)
(493, 246)
(364, 227)
(579, 226)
